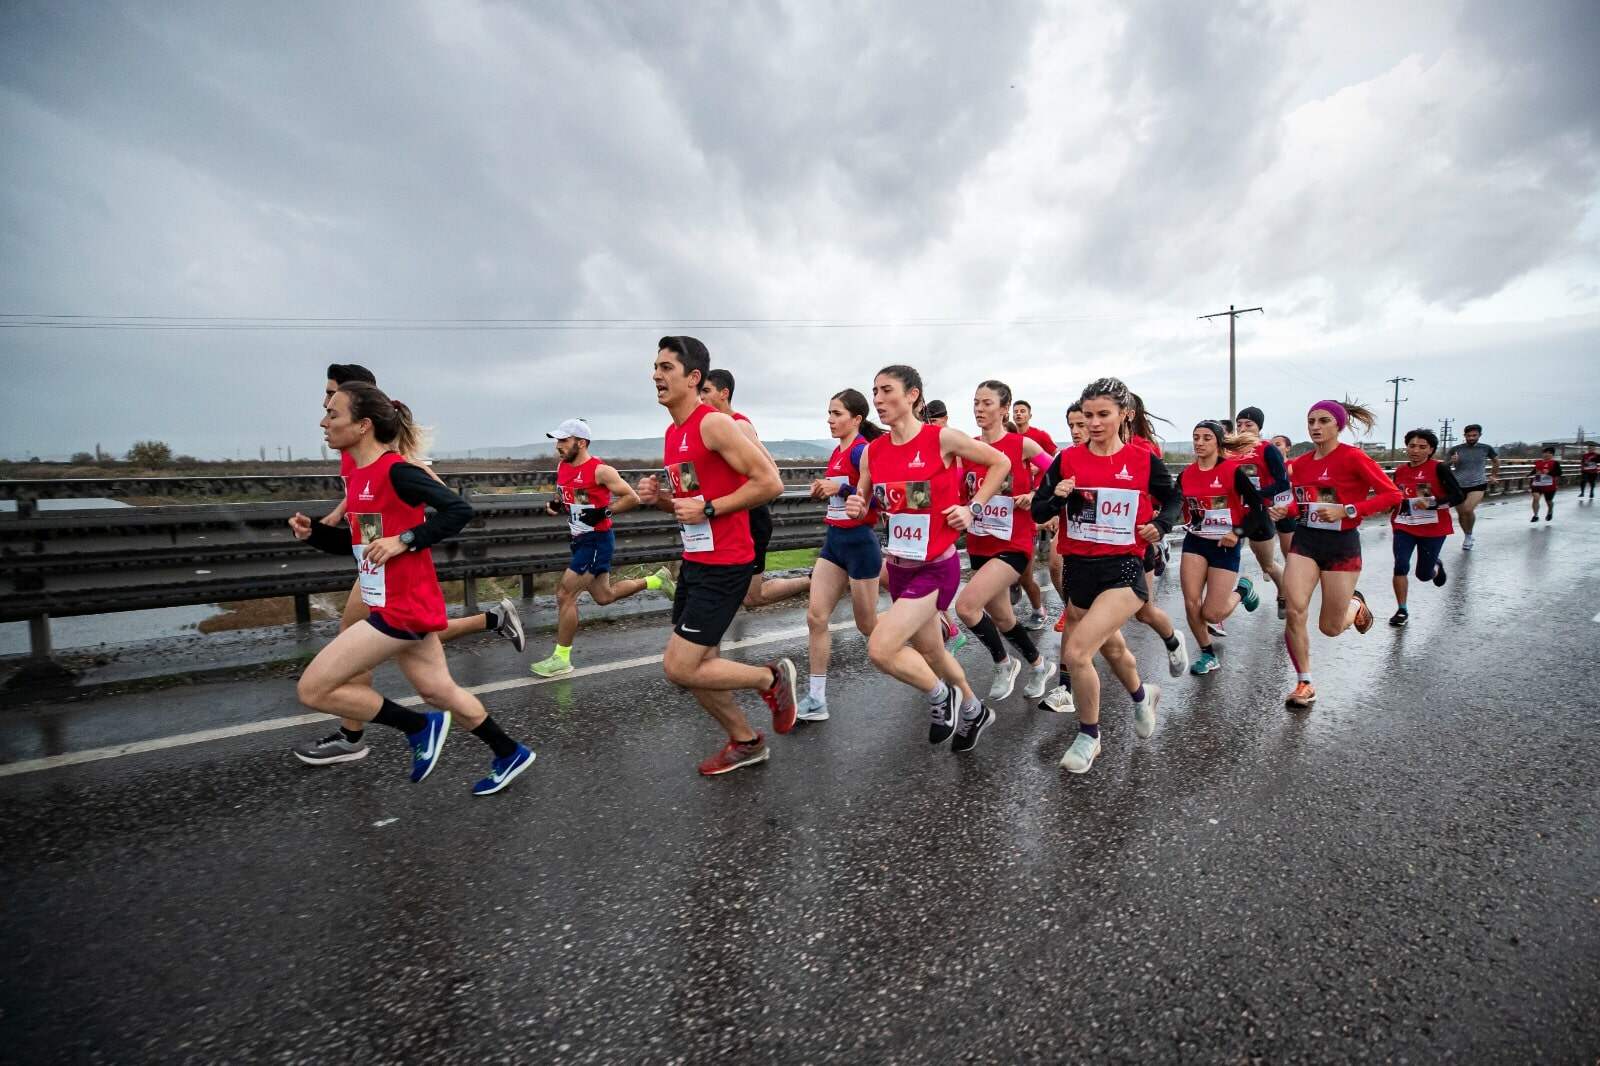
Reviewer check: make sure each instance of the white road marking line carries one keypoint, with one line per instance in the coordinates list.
(1596, 618)
(205, 736)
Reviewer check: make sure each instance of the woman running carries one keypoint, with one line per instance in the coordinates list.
(850, 558)
(1107, 493)
(1000, 545)
(1138, 431)
(1335, 486)
(910, 474)
(1543, 484)
(1221, 501)
(1269, 473)
(1422, 520)
(391, 535)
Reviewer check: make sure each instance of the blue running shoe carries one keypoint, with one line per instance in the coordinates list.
(504, 771)
(1247, 593)
(427, 743)
(1206, 663)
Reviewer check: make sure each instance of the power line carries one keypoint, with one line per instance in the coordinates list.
(1394, 429)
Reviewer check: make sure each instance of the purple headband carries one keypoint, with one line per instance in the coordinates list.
(1341, 418)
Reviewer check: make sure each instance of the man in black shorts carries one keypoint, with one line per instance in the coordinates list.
(1476, 467)
(716, 475)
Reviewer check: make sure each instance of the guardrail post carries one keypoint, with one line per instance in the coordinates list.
(527, 586)
(302, 610)
(39, 637)
(469, 594)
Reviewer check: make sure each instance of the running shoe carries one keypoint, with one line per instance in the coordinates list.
(331, 749)
(954, 639)
(968, 730)
(1216, 630)
(1081, 755)
(811, 709)
(1283, 609)
(1363, 620)
(551, 667)
(1035, 621)
(1206, 663)
(1247, 593)
(734, 755)
(1178, 658)
(510, 625)
(1549, 516)
(1040, 681)
(1005, 678)
(780, 696)
(1061, 623)
(1535, 518)
(1466, 543)
(1144, 714)
(1059, 700)
(942, 715)
(1303, 695)
(504, 771)
(1438, 576)
(427, 743)
(669, 587)
(1399, 618)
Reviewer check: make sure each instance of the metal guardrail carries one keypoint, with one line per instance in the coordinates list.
(62, 563)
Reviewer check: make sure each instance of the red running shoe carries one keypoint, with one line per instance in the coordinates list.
(1303, 696)
(734, 755)
(1061, 623)
(1363, 620)
(781, 696)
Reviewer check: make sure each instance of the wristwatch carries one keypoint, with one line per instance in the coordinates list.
(408, 538)
(977, 509)
(710, 509)
(1349, 510)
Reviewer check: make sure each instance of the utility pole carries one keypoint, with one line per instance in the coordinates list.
(1444, 436)
(1233, 375)
(1394, 428)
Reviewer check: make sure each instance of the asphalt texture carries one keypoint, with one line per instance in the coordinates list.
(1408, 873)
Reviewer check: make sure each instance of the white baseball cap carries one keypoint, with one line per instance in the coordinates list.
(572, 427)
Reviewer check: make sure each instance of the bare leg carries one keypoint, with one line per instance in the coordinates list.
(572, 584)
(713, 680)
(828, 583)
(328, 684)
(1087, 633)
(1300, 576)
(890, 646)
(1468, 511)
(461, 627)
(1192, 571)
(423, 663)
(1266, 553)
(1030, 587)
(1222, 594)
(764, 593)
(603, 591)
(355, 610)
(1338, 602)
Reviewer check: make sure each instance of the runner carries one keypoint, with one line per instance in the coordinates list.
(717, 390)
(1107, 493)
(1077, 425)
(1422, 520)
(1468, 461)
(347, 744)
(910, 473)
(1000, 545)
(850, 559)
(392, 535)
(1335, 486)
(1589, 469)
(1022, 414)
(1138, 431)
(588, 493)
(1269, 473)
(1286, 526)
(1221, 500)
(935, 414)
(1544, 483)
(716, 474)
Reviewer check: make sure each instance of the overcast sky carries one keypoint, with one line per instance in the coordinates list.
(1043, 194)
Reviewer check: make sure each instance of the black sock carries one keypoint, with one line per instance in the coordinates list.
(491, 619)
(1205, 649)
(987, 632)
(1091, 730)
(1172, 641)
(491, 734)
(352, 735)
(1065, 673)
(404, 719)
(1022, 642)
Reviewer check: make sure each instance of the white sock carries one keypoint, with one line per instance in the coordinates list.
(972, 708)
(1303, 676)
(938, 695)
(819, 687)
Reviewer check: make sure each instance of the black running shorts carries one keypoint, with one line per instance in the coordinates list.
(1087, 576)
(708, 597)
(1018, 561)
(761, 533)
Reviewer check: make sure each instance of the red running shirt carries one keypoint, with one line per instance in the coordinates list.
(1545, 472)
(1042, 439)
(1004, 527)
(1110, 501)
(1590, 462)
(700, 472)
(405, 590)
(913, 485)
(1418, 485)
(581, 488)
(1212, 505)
(1148, 445)
(846, 466)
(1347, 475)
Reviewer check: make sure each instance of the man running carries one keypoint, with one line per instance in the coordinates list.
(1589, 468)
(588, 493)
(717, 390)
(716, 475)
(1468, 462)
(1022, 415)
(1544, 483)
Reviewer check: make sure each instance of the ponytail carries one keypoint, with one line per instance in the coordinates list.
(392, 423)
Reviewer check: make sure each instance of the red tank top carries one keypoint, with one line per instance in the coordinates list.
(1110, 501)
(405, 590)
(579, 489)
(840, 466)
(1004, 527)
(698, 471)
(911, 482)
(1212, 506)
(1418, 483)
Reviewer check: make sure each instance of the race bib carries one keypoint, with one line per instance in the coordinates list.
(908, 537)
(997, 518)
(697, 537)
(836, 511)
(1543, 481)
(1210, 517)
(368, 529)
(1590, 468)
(1105, 516)
(1415, 512)
(579, 500)
(1283, 499)
(1310, 499)
(1252, 472)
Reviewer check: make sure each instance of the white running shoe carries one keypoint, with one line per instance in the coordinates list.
(511, 626)
(1005, 678)
(1144, 714)
(1081, 755)
(1035, 621)
(1466, 543)
(1059, 700)
(811, 709)
(1178, 658)
(1040, 680)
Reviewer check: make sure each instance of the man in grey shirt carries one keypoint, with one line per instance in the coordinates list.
(1476, 466)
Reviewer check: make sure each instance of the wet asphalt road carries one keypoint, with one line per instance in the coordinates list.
(1409, 873)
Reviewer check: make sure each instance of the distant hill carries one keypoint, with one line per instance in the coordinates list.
(636, 448)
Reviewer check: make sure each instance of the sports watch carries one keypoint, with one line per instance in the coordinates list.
(710, 509)
(1349, 510)
(977, 509)
(408, 538)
